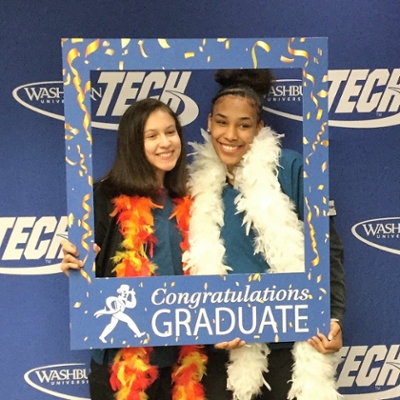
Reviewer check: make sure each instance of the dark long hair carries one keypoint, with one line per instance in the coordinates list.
(132, 174)
(252, 84)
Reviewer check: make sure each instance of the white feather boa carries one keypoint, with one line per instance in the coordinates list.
(279, 238)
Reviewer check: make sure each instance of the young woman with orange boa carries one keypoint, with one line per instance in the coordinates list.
(141, 222)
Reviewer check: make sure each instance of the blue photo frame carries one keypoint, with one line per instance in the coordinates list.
(297, 319)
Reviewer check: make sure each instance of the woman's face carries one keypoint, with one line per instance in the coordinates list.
(162, 144)
(233, 125)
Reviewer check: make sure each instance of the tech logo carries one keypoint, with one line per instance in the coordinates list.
(380, 233)
(112, 92)
(31, 245)
(65, 381)
(358, 98)
(370, 373)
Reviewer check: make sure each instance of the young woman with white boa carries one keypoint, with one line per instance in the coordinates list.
(247, 217)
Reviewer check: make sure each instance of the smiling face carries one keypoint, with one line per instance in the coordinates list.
(233, 124)
(162, 145)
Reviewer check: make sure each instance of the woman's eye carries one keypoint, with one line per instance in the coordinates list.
(221, 122)
(171, 132)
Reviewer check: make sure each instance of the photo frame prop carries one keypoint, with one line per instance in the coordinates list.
(177, 310)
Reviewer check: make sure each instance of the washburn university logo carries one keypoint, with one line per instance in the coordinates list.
(380, 233)
(33, 242)
(370, 373)
(65, 381)
(111, 93)
(358, 98)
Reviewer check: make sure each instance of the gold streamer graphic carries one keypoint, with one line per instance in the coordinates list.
(63, 40)
(324, 200)
(208, 59)
(69, 128)
(105, 43)
(82, 157)
(201, 49)
(321, 187)
(265, 46)
(316, 211)
(315, 59)
(76, 40)
(287, 60)
(92, 47)
(325, 79)
(72, 55)
(319, 114)
(227, 45)
(125, 42)
(164, 44)
(86, 235)
(70, 220)
(189, 54)
(294, 52)
(204, 42)
(87, 87)
(142, 52)
(316, 142)
(325, 143)
(72, 163)
(110, 52)
(324, 166)
(121, 65)
(322, 93)
(221, 40)
(77, 304)
(314, 99)
(314, 262)
(67, 80)
(303, 53)
(319, 51)
(319, 278)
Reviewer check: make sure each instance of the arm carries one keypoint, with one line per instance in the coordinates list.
(334, 341)
(291, 180)
(101, 216)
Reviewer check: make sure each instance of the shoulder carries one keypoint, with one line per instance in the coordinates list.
(101, 198)
(290, 164)
(290, 158)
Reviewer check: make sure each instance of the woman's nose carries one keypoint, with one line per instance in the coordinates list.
(230, 132)
(164, 140)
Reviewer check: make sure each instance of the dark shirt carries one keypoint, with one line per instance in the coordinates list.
(167, 256)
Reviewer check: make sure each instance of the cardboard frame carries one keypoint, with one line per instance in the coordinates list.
(87, 293)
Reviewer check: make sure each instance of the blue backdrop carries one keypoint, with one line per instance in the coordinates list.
(36, 362)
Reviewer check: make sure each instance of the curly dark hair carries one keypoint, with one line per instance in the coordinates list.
(253, 84)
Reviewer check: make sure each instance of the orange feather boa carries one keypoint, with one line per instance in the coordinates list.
(131, 372)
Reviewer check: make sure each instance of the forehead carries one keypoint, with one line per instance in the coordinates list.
(235, 106)
(159, 116)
